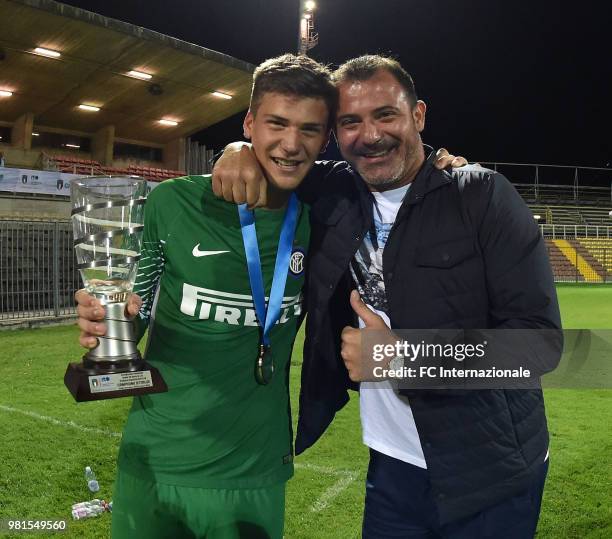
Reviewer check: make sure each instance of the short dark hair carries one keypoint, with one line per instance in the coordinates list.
(365, 67)
(293, 75)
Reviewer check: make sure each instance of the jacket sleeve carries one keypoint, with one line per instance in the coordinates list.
(520, 282)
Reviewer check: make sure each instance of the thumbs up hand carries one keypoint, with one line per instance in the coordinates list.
(358, 366)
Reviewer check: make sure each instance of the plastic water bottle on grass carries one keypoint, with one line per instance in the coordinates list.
(92, 482)
(87, 512)
(80, 505)
(88, 509)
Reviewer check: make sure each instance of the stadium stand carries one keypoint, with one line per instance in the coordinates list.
(571, 215)
(600, 251)
(586, 260)
(563, 268)
(596, 216)
(151, 173)
(581, 195)
(71, 164)
(128, 123)
(560, 215)
(89, 167)
(586, 271)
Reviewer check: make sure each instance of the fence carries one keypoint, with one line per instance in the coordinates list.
(38, 275)
(556, 184)
(576, 231)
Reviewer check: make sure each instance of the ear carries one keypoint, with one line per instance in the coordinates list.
(418, 115)
(247, 125)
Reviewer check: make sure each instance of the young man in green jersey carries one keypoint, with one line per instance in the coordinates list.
(211, 457)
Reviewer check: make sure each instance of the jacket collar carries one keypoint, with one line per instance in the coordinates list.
(428, 179)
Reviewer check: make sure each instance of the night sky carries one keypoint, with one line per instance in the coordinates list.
(504, 80)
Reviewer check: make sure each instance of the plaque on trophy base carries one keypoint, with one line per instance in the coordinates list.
(107, 218)
(87, 382)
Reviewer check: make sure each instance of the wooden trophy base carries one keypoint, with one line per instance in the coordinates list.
(92, 381)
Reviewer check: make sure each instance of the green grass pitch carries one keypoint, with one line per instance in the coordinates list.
(47, 440)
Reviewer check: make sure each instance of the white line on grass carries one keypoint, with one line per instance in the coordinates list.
(345, 477)
(59, 423)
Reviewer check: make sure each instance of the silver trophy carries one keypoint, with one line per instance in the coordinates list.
(107, 222)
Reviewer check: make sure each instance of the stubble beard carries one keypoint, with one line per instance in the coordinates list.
(390, 181)
(385, 183)
(405, 170)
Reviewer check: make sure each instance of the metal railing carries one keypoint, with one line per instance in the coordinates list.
(557, 183)
(38, 275)
(576, 231)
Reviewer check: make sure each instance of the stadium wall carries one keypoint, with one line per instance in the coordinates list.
(29, 208)
(20, 158)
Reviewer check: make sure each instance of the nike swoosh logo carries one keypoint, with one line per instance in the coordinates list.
(196, 252)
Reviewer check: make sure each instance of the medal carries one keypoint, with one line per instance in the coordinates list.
(267, 317)
(264, 367)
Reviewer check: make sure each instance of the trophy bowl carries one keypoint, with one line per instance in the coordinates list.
(107, 222)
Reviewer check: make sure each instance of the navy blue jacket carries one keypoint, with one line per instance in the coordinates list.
(464, 252)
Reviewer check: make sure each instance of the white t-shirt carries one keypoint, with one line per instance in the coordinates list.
(386, 418)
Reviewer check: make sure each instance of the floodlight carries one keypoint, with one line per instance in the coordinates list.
(221, 95)
(47, 52)
(89, 108)
(139, 75)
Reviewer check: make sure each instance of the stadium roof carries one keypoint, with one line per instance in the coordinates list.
(96, 54)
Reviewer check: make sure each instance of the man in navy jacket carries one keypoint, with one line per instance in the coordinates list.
(425, 248)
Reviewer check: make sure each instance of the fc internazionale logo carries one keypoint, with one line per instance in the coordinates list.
(296, 263)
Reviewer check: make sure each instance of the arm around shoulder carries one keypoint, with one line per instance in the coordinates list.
(314, 184)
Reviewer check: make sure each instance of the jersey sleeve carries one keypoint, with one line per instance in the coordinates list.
(151, 266)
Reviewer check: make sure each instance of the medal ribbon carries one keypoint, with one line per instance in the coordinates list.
(268, 317)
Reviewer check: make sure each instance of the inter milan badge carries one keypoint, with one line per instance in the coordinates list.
(296, 262)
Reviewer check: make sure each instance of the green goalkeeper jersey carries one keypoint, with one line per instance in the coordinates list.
(215, 427)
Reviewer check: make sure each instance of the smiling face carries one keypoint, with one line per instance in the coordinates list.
(287, 132)
(378, 130)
